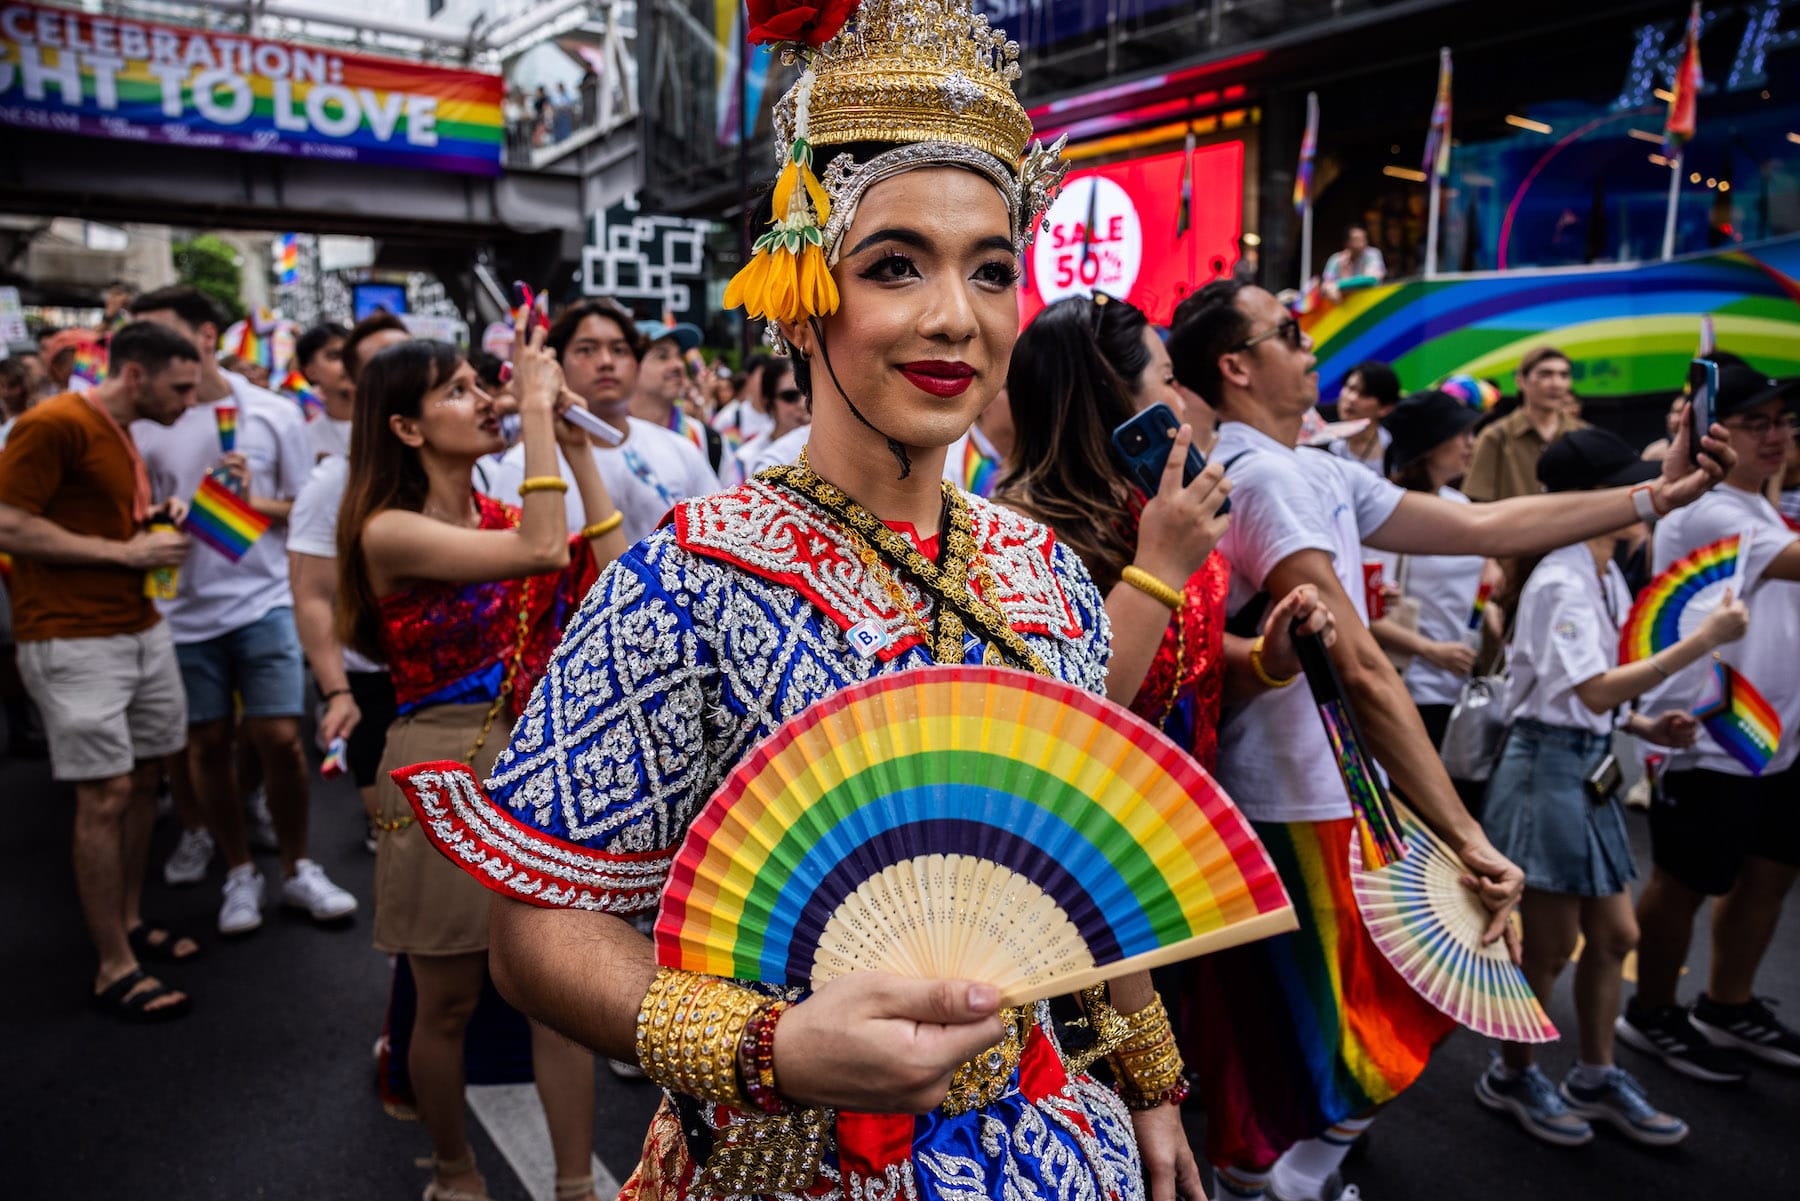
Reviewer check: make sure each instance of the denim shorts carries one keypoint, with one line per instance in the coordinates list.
(259, 665)
(1539, 815)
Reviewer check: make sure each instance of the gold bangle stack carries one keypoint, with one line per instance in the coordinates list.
(1262, 673)
(1164, 594)
(542, 483)
(688, 1031)
(603, 527)
(1147, 1065)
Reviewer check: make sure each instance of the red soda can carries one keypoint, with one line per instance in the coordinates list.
(1372, 589)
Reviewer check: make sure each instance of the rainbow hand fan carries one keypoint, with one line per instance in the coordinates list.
(1429, 928)
(1679, 599)
(967, 823)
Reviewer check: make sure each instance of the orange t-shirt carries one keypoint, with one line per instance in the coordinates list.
(64, 462)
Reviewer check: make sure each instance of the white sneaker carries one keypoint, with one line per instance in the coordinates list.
(309, 889)
(187, 863)
(241, 911)
(259, 826)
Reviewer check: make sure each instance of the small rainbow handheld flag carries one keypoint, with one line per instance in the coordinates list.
(1745, 726)
(979, 472)
(1482, 595)
(1656, 619)
(224, 520)
(225, 413)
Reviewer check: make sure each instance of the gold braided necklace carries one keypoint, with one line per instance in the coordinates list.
(880, 549)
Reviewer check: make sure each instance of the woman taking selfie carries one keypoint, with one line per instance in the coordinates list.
(464, 598)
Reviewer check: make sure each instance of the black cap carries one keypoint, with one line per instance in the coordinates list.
(1742, 386)
(1592, 458)
(1423, 422)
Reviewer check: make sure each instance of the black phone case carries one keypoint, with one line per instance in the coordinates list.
(1146, 466)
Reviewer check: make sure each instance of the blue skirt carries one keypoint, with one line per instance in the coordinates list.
(1539, 815)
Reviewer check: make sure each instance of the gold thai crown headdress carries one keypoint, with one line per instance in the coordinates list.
(931, 80)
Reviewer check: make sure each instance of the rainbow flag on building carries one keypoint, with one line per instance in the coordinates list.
(1437, 138)
(287, 260)
(1309, 147)
(1745, 726)
(1682, 119)
(224, 520)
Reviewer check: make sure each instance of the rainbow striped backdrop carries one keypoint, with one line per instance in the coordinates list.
(270, 82)
(1630, 330)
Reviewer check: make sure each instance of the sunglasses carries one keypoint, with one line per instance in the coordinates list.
(1288, 331)
(789, 395)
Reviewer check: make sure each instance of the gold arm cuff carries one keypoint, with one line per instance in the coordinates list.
(688, 1030)
(1164, 594)
(603, 527)
(543, 483)
(1262, 673)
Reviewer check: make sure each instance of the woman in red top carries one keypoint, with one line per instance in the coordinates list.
(464, 598)
(1082, 368)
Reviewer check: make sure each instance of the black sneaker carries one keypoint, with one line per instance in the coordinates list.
(1749, 1027)
(1669, 1035)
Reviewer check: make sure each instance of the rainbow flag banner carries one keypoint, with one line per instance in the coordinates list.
(104, 76)
(1680, 598)
(287, 259)
(224, 520)
(1682, 121)
(1309, 149)
(980, 472)
(1745, 726)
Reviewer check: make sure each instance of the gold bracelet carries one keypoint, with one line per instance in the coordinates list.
(543, 483)
(601, 529)
(688, 1031)
(1262, 673)
(1145, 1027)
(1153, 588)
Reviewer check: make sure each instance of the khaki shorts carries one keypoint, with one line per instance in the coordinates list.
(107, 703)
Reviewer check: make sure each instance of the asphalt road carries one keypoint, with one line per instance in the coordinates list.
(267, 1090)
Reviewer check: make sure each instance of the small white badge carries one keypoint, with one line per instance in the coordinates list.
(868, 636)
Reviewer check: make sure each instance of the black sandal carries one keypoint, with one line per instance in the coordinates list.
(144, 947)
(117, 1000)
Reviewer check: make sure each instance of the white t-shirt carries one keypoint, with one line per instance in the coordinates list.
(1764, 655)
(1445, 587)
(215, 595)
(645, 477)
(1341, 448)
(1565, 633)
(312, 527)
(744, 419)
(782, 452)
(1274, 760)
(329, 437)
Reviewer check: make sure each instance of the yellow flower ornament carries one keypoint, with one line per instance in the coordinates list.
(787, 278)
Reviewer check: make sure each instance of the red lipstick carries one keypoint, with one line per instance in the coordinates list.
(939, 378)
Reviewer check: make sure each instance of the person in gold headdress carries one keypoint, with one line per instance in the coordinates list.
(905, 199)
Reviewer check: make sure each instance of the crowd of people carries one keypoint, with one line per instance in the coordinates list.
(598, 616)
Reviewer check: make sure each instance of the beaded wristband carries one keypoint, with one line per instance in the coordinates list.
(543, 483)
(756, 1057)
(1137, 1102)
(1262, 673)
(603, 527)
(1165, 594)
(688, 1032)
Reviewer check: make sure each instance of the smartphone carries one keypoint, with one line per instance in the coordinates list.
(1143, 446)
(1703, 388)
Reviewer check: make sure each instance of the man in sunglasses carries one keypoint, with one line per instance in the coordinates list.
(1719, 829)
(1299, 1073)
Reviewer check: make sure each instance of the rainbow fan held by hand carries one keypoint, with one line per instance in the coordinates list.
(965, 823)
(1745, 726)
(1678, 600)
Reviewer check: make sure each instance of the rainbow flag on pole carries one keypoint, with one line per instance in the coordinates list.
(224, 520)
(1437, 138)
(1309, 147)
(287, 260)
(1745, 726)
(1679, 127)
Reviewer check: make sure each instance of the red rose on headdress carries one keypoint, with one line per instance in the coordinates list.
(810, 22)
